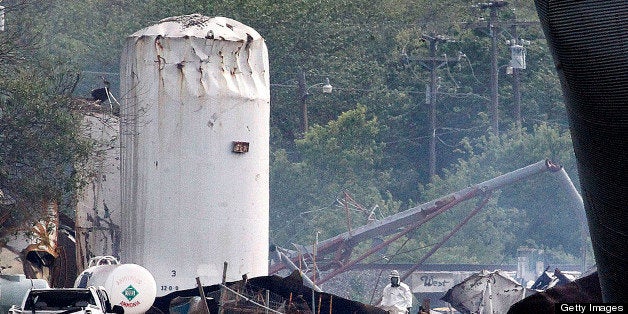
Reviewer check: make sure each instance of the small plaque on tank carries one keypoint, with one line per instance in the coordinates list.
(240, 147)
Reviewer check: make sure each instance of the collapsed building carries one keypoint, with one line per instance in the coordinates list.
(255, 295)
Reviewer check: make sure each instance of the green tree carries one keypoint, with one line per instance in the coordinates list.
(535, 211)
(342, 156)
(41, 147)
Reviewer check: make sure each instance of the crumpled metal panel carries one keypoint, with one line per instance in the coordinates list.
(200, 56)
(485, 292)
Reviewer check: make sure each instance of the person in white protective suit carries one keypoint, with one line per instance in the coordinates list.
(396, 296)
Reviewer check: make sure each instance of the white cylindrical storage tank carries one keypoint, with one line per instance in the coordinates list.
(128, 285)
(13, 288)
(195, 151)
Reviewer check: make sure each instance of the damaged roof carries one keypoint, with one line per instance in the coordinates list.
(197, 25)
(290, 288)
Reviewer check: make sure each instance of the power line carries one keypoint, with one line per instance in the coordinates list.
(493, 25)
(98, 72)
(432, 63)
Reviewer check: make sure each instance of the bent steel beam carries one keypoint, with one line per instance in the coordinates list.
(391, 224)
(417, 215)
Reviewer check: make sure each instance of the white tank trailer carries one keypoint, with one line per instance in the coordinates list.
(195, 151)
(128, 285)
(13, 287)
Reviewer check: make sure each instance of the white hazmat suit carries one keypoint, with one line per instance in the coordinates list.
(396, 296)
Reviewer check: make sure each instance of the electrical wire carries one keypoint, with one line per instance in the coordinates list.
(451, 77)
(451, 131)
(446, 144)
(472, 72)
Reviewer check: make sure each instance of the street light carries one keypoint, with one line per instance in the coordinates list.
(304, 92)
(327, 88)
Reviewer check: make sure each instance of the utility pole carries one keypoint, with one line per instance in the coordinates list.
(304, 93)
(494, 73)
(432, 64)
(493, 27)
(303, 100)
(494, 33)
(516, 83)
(517, 63)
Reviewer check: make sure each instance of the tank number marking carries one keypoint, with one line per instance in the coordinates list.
(169, 288)
(173, 273)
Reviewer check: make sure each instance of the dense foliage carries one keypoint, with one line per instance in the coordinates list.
(369, 138)
(41, 147)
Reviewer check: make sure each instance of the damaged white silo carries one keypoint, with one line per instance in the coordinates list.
(97, 215)
(195, 151)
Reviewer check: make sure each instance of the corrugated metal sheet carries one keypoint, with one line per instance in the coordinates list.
(589, 44)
